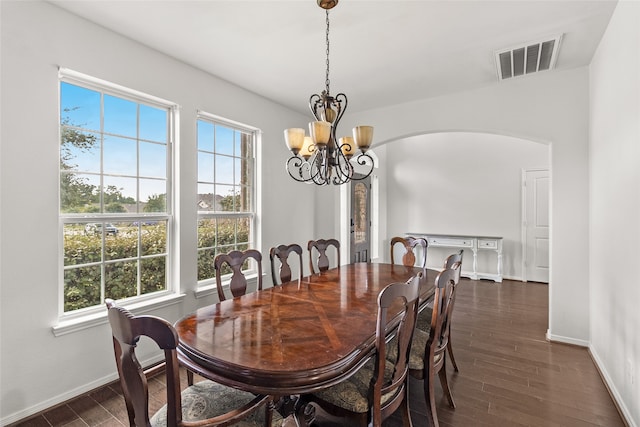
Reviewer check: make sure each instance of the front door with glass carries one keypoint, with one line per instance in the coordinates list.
(360, 220)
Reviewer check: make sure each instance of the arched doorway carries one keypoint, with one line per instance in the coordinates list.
(453, 183)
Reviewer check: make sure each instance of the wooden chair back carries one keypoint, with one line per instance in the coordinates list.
(451, 260)
(127, 330)
(410, 245)
(396, 384)
(236, 260)
(281, 253)
(320, 246)
(441, 315)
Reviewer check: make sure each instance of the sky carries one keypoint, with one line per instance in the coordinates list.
(132, 154)
(134, 134)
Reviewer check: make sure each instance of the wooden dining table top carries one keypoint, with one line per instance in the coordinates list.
(298, 337)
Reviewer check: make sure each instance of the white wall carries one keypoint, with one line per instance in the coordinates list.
(461, 183)
(37, 369)
(614, 227)
(550, 108)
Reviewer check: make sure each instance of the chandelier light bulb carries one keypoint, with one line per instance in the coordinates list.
(329, 115)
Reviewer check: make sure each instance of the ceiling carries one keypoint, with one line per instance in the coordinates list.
(381, 52)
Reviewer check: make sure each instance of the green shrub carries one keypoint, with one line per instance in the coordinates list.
(219, 236)
(82, 284)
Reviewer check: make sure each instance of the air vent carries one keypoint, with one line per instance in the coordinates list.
(528, 58)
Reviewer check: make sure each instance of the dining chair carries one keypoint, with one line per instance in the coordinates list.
(320, 246)
(380, 387)
(206, 403)
(424, 318)
(428, 349)
(410, 244)
(282, 253)
(235, 261)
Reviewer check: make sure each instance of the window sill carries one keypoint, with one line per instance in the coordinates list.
(211, 288)
(205, 291)
(94, 319)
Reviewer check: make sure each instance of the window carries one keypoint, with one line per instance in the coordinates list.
(226, 191)
(115, 193)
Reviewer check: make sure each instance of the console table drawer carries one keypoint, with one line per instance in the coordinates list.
(450, 243)
(487, 244)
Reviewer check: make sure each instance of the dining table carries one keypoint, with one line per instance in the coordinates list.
(295, 338)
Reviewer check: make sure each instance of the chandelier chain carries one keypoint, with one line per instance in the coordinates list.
(327, 39)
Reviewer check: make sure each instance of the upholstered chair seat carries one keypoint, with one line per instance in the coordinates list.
(416, 355)
(207, 399)
(352, 394)
(424, 319)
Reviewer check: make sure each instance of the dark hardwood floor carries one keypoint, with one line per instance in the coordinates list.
(509, 374)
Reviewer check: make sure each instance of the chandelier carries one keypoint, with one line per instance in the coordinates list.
(321, 158)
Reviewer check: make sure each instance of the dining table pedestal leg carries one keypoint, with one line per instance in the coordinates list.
(295, 411)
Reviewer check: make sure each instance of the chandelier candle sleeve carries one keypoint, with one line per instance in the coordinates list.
(363, 135)
(320, 133)
(294, 138)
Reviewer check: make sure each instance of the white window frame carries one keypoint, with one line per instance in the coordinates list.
(208, 286)
(85, 317)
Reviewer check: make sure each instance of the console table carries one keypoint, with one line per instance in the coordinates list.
(475, 244)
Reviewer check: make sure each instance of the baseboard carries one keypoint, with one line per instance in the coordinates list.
(566, 340)
(55, 401)
(481, 276)
(67, 396)
(514, 278)
(613, 391)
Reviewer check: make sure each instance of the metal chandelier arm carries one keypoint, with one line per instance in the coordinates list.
(315, 103)
(340, 100)
(296, 164)
(363, 159)
(321, 171)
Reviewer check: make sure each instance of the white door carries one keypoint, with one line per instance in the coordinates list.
(536, 225)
